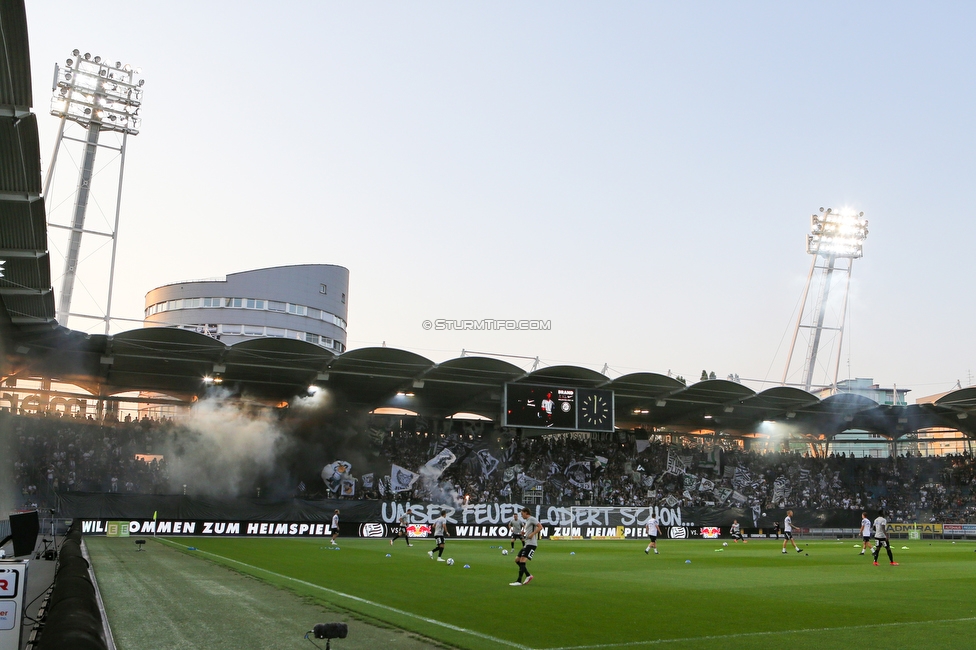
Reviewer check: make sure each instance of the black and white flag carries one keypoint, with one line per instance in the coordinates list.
(401, 479)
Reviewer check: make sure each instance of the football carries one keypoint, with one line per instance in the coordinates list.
(504, 551)
(725, 543)
(450, 561)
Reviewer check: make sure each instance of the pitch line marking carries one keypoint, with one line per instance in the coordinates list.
(432, 621)
(719, 637)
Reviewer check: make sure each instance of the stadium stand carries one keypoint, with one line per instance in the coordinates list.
(59, 455)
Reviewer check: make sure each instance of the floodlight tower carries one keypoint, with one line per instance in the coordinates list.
(99, 97)
(834, 236)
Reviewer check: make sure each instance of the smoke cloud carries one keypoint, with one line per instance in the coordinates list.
(222, 449)
(8, 497)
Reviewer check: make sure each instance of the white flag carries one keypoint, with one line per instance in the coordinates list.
(436, 465)
(401, 479)
(488, 462)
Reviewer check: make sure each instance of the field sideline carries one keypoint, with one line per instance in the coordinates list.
(609, 594)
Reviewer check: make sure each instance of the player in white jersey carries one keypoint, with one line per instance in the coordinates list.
(788, 532)
(736, 532)
(653, 528)
(440, 532)
(865, 532)
(881, 539)
(517, 526)
(401, 530)
(335, 527)
(532, 531)
(548, 405)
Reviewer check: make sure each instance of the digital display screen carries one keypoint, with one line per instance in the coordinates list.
(544, 407)
(558, 407)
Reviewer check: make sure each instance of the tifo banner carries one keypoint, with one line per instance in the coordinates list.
(173, 508)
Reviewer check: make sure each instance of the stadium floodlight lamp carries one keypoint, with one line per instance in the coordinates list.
(89, 90)
(837, 234)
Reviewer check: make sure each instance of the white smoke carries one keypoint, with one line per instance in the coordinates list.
(431, 485)
(222, 449)
(8, 486)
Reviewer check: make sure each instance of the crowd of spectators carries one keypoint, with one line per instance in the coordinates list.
(54, 454)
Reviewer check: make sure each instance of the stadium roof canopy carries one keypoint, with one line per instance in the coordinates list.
(183, 364)
(180, 362)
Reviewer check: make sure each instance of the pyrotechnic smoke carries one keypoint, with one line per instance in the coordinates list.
(8, 496)
(439, 491)
(222, 450)
(320, 430)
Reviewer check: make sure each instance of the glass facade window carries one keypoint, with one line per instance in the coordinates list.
(230, 329)
(276, 332)
(246, 303)
(253, 330)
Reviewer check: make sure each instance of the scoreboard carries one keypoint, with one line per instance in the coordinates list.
(559, 408)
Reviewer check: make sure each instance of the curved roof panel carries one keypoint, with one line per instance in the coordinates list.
(275, 367)
(164, 359)
(573, 376)
(963, 398)
(373, 375)
(469, 384)
(644, 385)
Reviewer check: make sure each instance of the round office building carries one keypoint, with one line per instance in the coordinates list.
(306, 302)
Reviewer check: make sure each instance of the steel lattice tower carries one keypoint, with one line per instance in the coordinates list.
(835, 241)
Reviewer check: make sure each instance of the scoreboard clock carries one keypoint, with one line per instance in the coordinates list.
(594, 410)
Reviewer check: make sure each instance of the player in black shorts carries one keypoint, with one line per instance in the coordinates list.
(516, 526)
(532, 530)
(401, 530)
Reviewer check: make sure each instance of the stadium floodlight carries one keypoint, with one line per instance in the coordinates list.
(90, 91)
(99, 97)
(834, 235)
(837, 234)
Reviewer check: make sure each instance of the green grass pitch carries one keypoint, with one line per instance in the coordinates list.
(609, 594)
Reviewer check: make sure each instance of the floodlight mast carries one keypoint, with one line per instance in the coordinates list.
(834, 236)
(99, 97)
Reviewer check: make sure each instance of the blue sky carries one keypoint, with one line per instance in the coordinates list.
(640, 174)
